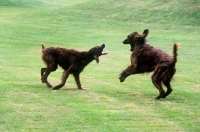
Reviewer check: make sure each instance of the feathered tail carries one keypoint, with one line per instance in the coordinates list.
(175, 54)
(43, 48)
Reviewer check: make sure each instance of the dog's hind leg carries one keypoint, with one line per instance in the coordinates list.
(43, 71)
(156, 79)
(167, 79)
(44, 78)
(47, 71)
(169, 88)
(157, 84)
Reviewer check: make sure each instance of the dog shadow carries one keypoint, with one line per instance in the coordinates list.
(71, 89)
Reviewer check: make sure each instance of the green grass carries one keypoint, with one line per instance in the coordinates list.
(107, 105)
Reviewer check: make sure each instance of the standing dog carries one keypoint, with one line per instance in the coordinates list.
(146, 58)
(72, 61)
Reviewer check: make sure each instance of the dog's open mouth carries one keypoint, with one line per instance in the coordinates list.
(104, 53)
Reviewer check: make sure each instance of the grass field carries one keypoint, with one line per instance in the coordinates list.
(107, 105)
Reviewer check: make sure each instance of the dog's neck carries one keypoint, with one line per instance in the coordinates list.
(87, 57)
(140, 42)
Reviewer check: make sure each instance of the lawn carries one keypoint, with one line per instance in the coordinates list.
(106, 105)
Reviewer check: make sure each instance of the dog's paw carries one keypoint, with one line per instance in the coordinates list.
(55, 88)
(160, 96)
(49, 85)
(82, 88)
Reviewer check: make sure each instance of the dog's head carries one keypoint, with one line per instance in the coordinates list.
(97, 51)
(131, 38)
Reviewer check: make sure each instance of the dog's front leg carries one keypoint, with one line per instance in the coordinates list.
(127, 72)
(77, 79)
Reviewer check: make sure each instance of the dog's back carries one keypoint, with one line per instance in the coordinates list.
(61, 56)
(149, 57)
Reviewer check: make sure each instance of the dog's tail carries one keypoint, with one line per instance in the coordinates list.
(43, 48)
(175, 54)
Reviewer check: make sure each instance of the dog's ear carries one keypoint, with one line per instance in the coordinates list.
(145, 32)
(96, 58)
(132, 36)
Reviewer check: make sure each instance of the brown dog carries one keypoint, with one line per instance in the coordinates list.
(72, 61)
(146, 58)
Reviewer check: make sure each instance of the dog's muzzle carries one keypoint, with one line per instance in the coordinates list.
(122, 79)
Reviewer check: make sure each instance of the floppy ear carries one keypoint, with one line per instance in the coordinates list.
(96, 58)
(145, 32)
